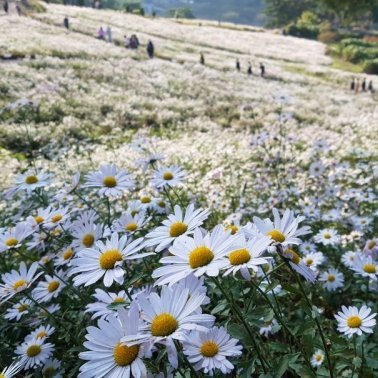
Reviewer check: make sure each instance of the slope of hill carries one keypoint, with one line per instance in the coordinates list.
(102, 95)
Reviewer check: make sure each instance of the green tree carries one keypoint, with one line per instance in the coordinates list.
(282, 12)
(181, 13)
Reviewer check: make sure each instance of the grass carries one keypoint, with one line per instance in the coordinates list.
(341, 64)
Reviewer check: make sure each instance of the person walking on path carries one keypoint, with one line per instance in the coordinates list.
(66, 23)
(6, 7)
(353, 84)
(202, 59)
(18, 9)
(238, 65)
(357, 88)
(363, 85)
(150, 49)
(109, 35)
(262, 70)
(249, 70)
(370, 86)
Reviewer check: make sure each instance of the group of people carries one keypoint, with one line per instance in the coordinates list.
(249, 69)
(238, 66)
(131, 42)
(361, 86)
(6, 8)
(105, 34)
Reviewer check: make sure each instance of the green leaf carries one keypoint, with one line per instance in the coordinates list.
(283, 364)
(291, 289)
(357, 361)
(219, 308)
(248, 368)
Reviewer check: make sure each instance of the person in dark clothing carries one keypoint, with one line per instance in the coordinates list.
(249, 70)
(363, 85)
(262, 70)
(18, 9)
(150, 49)
(370, 86)
(352, 84)
(202, 59)
(6, 7)
(66, 23)
(238, 65)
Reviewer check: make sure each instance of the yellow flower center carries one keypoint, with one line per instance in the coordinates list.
(19, 284)
(33, 350)
(371, 244)
(88, 240)
(327, 236)
(294, 257)
(163, 325)
(38, 219)
(177, 229)
(31, 179)
(168, 176)
(110, 181)
(119, 300)
(124, 355)
(232, 228)
(370, 268)
(56, 218)
(209, 349)
(200, 256)
(354, 321)
(240, 256)
(145, 199)
(49, 372)
(21, 308)
(276, 235)
(318, 357)
(68, 254)
(53, 285)
(11, 242)
(161, 204)
(131, 226)
(2, 376)
(41, 335)
(309, 262)
(331, 278)
(109, 258)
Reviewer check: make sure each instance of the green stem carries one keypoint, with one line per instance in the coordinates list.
(243, 321)
(309, 304)
(186, 361)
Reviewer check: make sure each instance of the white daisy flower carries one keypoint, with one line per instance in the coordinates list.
(12, 370)
(208, 351)
(167, 176)
(332, 279)
(105, 260)
(348, 257)
(85, 234)
(365, 266)
(299, 266)
(194, 285)
(168, 317)
(72, 186)
(327, 236)
(52, 368)
(161, 206)
(269, 328)
(151, 159)
(130, 223)
(307, 247)
(352, 321)
(64, 256)
(146, 202)
(107, 356)
(176, 225)
(317, 358)
(316, 169)
(18, 310)
(50, 288)
(41, 333)
(111, 181)
(34, 352)
(285, 230)
(42, 316)
(107, 303)
(58, 217)
(247, 256)
(371, 248)
(312, 260)
(41, 217)
(16, 281)
(13, 238)
(198, 254)
(29, 181)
